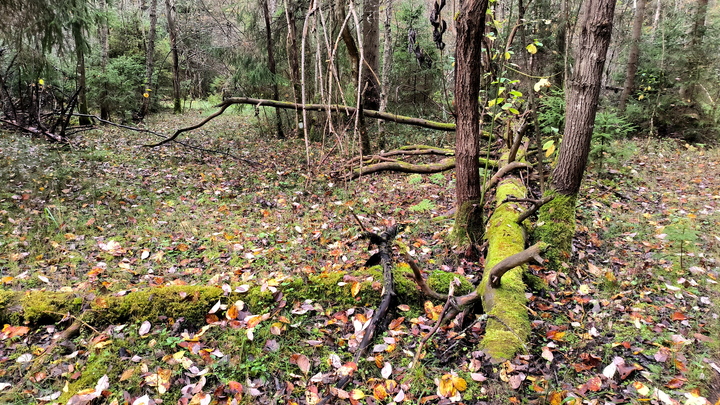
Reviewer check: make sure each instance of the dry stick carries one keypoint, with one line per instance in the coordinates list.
(382, 241)
(448, 303)
(248, 161)
(303, 91)
(518, 259)
(502, 172)
(337, 108)
(63, 336)
(536, 206)
(417, 273)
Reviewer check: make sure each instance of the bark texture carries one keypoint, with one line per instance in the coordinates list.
(149, 58)
(271, 63)
(634, 54)
(470, 23)
(172, 30)
(583, 94)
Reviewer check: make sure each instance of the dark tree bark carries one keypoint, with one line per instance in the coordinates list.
(172, 31)
(80, 47)
(470, 23)
(271, 63)
(149, 59)
(634, 54)
(583, 94)
(370, 83)
(386, 67)
(557, 218)
(292, 47)
(104, 58)
(349, 41)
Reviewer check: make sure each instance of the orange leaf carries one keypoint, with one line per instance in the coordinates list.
(678, 316)
(379, 392)
(676, 383)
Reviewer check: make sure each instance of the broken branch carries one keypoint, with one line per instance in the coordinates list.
(518, 259)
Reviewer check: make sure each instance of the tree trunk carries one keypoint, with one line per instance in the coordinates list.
(558, 216)
(104, 58)
(470, 23)
(370, 83)
(149, 59)
(386, 67)
(292, 48)
(634, 55)
(80, 47)
(271, 64)
(172, 31)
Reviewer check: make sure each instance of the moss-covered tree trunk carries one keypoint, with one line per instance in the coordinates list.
(508, 325)
(470, 23)
(557, 219)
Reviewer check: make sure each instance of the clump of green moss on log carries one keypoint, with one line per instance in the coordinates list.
(556, 226)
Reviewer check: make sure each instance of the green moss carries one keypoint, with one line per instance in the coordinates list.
(440, 282)
(98, 365)
(469, 223)
(556, 226)
(508, 327)
(189, 302)
(46, 307)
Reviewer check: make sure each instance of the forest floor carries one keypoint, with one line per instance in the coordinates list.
(631, 318)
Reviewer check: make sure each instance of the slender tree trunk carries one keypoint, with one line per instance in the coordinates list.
(470, 25)
(349, 41)
(370, 83)
(172, 30)
(558, 216)
(80, 47)
(696, 55)
(698, 31)
(386, 67)
(634, 55)
(104, 59)
(271, 64)
(149, 59)
(656, 19)
(292, 47)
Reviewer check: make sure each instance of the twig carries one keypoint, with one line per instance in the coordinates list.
(536, 206)
(448, 303)
(533, 252)
(417, 273)
(197, 148)
(502, 172)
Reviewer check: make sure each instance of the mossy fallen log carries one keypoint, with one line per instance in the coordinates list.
(508, 326)
(39, 307)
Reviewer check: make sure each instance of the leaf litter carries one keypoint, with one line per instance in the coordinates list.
(630, 318)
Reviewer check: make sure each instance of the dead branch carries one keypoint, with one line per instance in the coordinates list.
(187, 145)
(441, 318)
(384, 243)
(417, 274)
(336, 108)
(518, 259)
(502, 172)
(536, 204)
(404, 167)
(36, 131)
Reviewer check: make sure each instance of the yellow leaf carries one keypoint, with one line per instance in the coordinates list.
(550, 150)
(459, 383)
(640, 97)
(355, 289)
(146, 95)
(41, 82)
(507, 55)
(542, 83)
(357, 394)
(446, 388)
(532, 49)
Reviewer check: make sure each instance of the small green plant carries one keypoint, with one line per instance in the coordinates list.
(438, 178)
(415, 179)
(682, 235)
(423, 206)
(609, 126)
